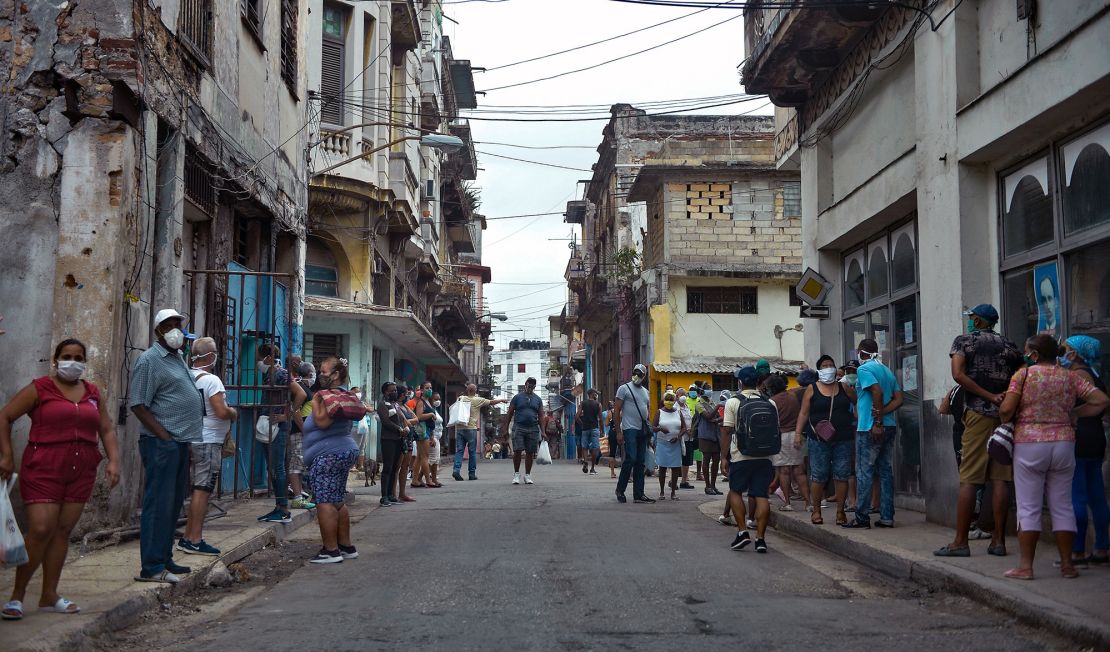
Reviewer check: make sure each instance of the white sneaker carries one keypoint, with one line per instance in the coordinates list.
(528, 479)
(516, 478)
(725, 520)
(750, 524)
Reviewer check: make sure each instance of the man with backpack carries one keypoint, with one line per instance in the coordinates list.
(750, 436)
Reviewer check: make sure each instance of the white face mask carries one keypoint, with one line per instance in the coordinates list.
(204, 355)
(70, 370)
(850, 379)
(263, 367)
(827, 375)
(637, 378)
(436, 403)
(174, 338)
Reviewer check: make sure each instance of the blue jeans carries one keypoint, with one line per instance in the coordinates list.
(165, 473)
(872, 457)
(274, 452)
(1088, 490)
(635, 452)
(463, 438)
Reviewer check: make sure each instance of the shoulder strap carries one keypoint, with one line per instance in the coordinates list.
(636, 401)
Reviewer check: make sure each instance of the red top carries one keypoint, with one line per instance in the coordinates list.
(58, 420)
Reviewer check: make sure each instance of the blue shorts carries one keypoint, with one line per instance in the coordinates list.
(590, 439)
(752, 476)
(829, 456)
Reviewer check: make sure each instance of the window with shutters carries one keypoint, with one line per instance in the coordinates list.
(332, 54)
(321, 346)
(251, 11)
(194, 29)
(289, 44)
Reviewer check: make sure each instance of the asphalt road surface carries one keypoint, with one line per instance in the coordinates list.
(560, 565)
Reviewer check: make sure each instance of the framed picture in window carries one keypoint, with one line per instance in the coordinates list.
(1047, 286)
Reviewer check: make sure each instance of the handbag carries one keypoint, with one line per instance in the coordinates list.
(228, 448)
(1000, 446)
(343, 404)
(459, 414)
(825, 428)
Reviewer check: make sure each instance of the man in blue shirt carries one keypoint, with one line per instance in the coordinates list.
(526, 415)
(878, 396)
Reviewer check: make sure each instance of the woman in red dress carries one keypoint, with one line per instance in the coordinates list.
(58, 470)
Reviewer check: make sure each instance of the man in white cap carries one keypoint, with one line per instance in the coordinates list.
(633, 431)
(170, 410)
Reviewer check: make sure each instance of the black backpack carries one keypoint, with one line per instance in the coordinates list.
(757, 429)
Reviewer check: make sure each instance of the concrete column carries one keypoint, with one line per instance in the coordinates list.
(169, 201)
(296, 298)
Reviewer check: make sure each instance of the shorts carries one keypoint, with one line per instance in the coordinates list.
(294, 454)
(327, 476)
(788, 456)
(688, 448)
(752, 476)
(709, 446)
(526, 438)
(830, 457)
(976, 467)
(204, 466)
(420, 434)
(58, 473)
(614, 447)
(433, 451)
(590, 438)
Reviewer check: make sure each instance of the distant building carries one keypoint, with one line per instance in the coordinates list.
(523, 359)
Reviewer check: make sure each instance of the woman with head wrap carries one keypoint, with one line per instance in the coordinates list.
(1083, 355)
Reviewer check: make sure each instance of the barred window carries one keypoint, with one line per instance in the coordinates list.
(251, 10)
(289, 44)
(792, 199)
(195, 28)
(722, 300)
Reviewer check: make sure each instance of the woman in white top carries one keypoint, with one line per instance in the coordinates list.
(437, 441)
(689, 438)
(669, 426)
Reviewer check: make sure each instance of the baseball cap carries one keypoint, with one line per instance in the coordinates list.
(762, 366)
(807, 377)
(747, 375)
(641, 369)
(167, 313)
(983, 311)
(725, 395)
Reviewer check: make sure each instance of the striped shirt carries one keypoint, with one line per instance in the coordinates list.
(161, 381)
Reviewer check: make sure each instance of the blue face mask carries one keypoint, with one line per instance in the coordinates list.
(971, 325)
(1064, 361)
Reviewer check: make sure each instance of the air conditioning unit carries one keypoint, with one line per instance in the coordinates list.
(429, 190)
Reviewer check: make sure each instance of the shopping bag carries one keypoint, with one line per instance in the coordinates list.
(544, 456)
(264, 431)
(13, 552)
(459, 414)
(649, 461)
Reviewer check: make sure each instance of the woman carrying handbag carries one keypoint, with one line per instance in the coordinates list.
(825, 416)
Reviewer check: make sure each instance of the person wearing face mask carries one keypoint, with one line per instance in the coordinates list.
(436, 443)
(668, 427)
(825, 417)
(707, 421)
(526, 413)
(305, 377)
(982, 363)
(283, 403)
(206, 456)
(633, 432)
(426, 415)
(689, 437)
(393, 431)
(411, 425)
(58, 469)
(468, 436)
(164, 398)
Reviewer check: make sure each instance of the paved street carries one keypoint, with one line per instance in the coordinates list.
(561, 565)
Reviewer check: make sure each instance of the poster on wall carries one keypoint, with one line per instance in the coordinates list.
(909, 373)
(1047, 285)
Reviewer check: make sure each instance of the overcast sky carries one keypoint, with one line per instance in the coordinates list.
(534, 250)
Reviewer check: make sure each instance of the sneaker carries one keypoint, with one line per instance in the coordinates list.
(528, 479)
(824, 504)
(593, 472)
(301, 503)
(685, 485)
(384, 502)
(857, 524)
(276, 516)
(882, 523)
(749, 523)
(726, 520)
(643, 499)
(621, 498)
(327, 557)
(457, 476)
(473, 477)
(348, 552)
(741, 541)
(198, 548)
(760, 545)
(393, 500)
(976, 534)
(516, 478)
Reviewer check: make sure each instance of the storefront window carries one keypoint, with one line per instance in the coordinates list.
(878, 279)
(853, 281)
(1027, 222)
(1088, 283)
(903, 260)
(1086, 190)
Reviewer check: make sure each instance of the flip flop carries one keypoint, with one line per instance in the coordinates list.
(1020, 573)
(162, 577)
(62, 606)
(13, 610)
(816, 519)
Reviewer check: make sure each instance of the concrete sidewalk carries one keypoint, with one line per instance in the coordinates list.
(102, 582)
(1072, 608)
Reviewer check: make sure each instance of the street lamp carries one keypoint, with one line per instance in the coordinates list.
(499, 316)
(442, 142)
(779, 330)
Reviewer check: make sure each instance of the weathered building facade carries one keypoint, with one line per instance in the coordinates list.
(146, 144)
(951, 154)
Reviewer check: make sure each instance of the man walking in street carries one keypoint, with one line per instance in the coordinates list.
(207, 455)
(982, 364)
(170, 412)
(747, 415)
(633, 433)
(468, 436)
(589, 419)
(878, 396)
(526, 415)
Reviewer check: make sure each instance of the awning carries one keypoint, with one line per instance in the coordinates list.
(411, 336)
(725, 366)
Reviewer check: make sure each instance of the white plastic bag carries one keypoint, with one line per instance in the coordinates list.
(13, 552)
(544, 456)
(459, 414)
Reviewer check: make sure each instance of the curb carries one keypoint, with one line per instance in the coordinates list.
(128, 612)
(1029, 608)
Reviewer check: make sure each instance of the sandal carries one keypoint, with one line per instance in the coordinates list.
(841, 518)
(786, 508)
(418, 486)
(13, 610)
(62, 606)
(1068, 572)
(1020, 573)
(815, 518)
